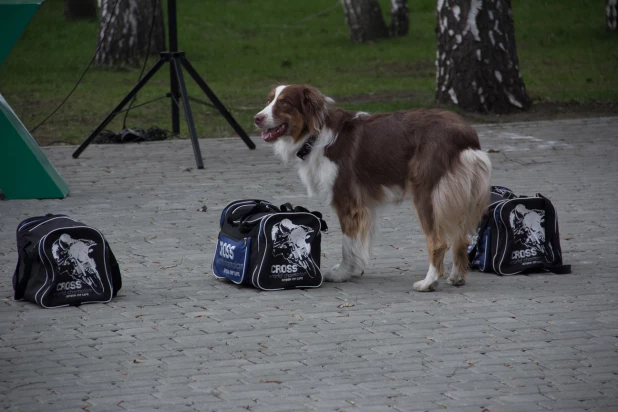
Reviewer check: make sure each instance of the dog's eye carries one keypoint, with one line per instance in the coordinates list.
(284, 103)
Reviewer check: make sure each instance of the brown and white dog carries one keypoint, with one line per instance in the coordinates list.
(359, 161)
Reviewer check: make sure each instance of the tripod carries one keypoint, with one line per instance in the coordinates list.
(177, 61)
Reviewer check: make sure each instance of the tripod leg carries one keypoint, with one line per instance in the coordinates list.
(175, 99)
(213, 98)
(114, 112)
(188, 114)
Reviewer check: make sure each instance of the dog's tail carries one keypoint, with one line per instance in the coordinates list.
(462, 196)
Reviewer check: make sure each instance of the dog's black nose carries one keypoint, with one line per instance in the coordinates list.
(258, 119)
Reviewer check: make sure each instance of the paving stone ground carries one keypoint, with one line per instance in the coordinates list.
(177, 339)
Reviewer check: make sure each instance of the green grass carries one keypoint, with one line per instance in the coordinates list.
(239, 46)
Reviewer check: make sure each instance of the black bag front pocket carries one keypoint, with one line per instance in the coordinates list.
(76, 268)
(525, 235)
(288, 252)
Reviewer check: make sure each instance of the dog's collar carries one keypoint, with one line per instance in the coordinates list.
(307, 147)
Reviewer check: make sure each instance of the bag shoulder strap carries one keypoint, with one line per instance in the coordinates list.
(250, 219)
(115, 270)
(560, 270)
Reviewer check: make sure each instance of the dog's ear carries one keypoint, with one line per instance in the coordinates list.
(314, 108)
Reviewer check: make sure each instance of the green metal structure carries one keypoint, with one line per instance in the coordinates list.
(25, 171)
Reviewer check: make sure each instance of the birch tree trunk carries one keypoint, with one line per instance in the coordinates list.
(366, 23)
(476, 62)
(400, 18)
(364, 20)
(80, 10)
(123, 41)
(611, 13)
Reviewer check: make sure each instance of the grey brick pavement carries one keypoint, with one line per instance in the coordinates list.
(177, 339)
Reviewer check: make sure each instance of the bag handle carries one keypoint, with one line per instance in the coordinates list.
(287, 207)
(244, 225)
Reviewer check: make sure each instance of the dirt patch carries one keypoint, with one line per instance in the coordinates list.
(381, 97)
(548, 111)
(423, 68)
(539, 111)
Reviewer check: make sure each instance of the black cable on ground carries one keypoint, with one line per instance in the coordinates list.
(132, 135)
(83, 73)
(152, 22)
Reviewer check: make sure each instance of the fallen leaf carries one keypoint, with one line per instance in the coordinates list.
(203, 209)
(139, 361)
(493, 151)
(346, 305)
(270, 381)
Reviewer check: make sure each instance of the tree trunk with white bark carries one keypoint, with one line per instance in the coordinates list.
(611, 13)
(123, 41)
(80, 10)
(366, 23)
(364, 20)
(476, 61)
(400, 18)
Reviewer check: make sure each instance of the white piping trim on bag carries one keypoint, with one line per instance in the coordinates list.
(255, 279)
(53, 218)
(42, 241)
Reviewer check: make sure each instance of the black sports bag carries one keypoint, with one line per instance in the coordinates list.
(63, 262)
(517, 234)
(269, 247)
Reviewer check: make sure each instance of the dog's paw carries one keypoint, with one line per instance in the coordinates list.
(425, 286)
(456, 280)
(336, 274)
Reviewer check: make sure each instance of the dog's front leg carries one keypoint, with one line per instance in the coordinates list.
(357, 236)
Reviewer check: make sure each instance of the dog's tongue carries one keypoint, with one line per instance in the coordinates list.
(270, 135)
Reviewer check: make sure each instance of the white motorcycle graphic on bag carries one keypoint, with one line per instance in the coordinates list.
(528, 227)
(73, 259)
(292, 243)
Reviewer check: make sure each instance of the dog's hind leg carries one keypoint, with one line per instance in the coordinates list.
(460, 261)
(436, 247)
(357, 226)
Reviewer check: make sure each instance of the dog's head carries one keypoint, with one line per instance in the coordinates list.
(292, 111)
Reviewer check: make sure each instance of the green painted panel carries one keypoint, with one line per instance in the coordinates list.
(14, 17)
(25, 171)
